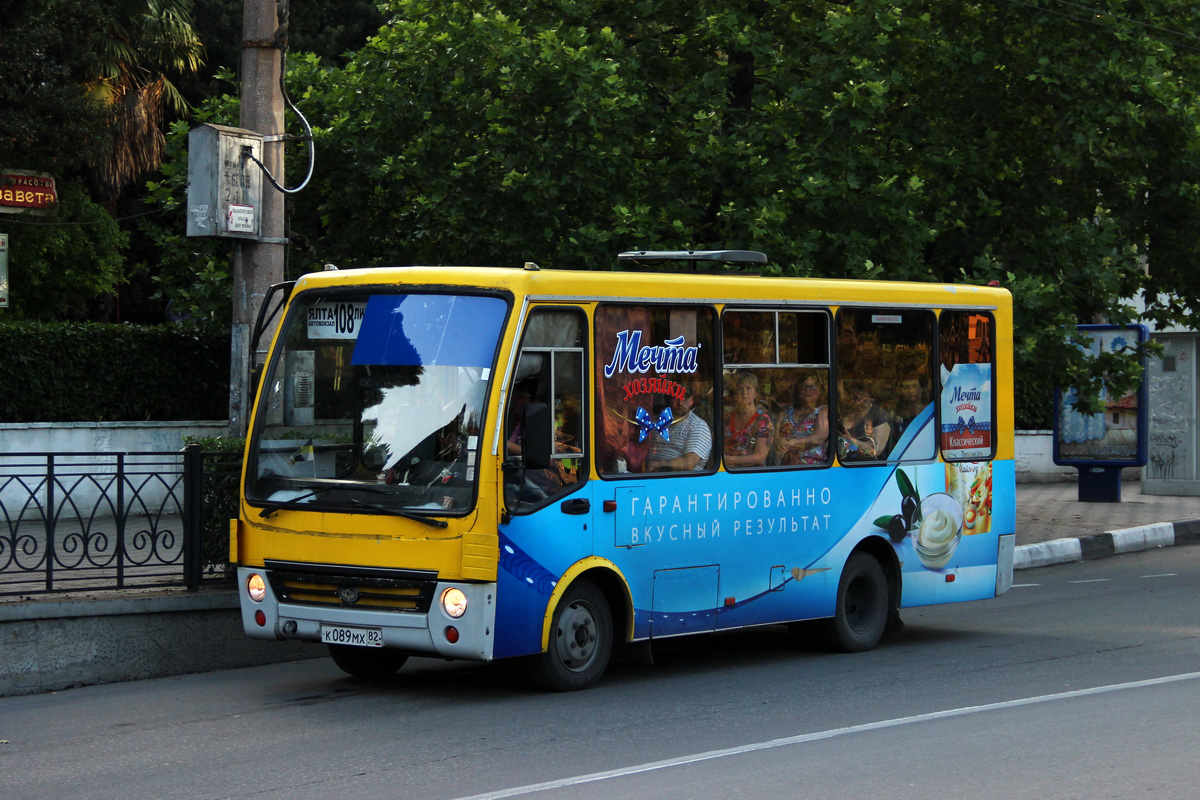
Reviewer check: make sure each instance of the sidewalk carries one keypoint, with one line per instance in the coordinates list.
(1053, 527)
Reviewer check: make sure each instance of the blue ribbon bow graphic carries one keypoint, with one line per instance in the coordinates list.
(968, 426)
(648, 423)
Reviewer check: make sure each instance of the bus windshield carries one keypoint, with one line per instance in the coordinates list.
(374, 404)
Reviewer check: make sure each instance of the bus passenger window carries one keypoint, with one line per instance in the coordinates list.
(654, 373)
(777, 367)
(885, 400)
(965, 339)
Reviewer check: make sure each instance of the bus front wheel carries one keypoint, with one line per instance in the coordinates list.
(862, 607)
(367, 662)
(581, 639)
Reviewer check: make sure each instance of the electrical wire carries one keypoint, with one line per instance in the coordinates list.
(1091, 20)
(282, 13)
(1147, 25)
(14, 221)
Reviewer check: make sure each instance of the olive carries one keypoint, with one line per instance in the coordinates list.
(897, 528)
(908, 507)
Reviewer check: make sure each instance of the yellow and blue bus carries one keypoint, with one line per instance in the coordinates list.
(484, 463)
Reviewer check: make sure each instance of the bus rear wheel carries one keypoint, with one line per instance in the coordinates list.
(367, 662)
(862, 607)
(581, 640)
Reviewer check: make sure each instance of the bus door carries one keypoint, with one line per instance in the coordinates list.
(548, 526)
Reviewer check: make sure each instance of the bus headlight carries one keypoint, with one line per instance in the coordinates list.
(454, 602)
(256, 587)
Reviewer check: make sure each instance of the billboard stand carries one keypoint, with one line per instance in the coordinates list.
(1100, 484)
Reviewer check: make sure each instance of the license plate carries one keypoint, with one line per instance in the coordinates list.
(357, 637)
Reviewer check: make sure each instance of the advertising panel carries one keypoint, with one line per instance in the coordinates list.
(1115, 436)
(26, 191)
(967, 411)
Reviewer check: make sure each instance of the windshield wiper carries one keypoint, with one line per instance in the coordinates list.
(300, 499)
(292, 502)
(395, 512)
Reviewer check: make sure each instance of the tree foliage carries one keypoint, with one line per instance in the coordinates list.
(1048, 149)
(331, 29)
(1031, 143)
(88, 90)
(146, 42)
(49, 123)
(61, 262)
(83, 92)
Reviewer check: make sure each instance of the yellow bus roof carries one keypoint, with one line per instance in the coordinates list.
(641, 285)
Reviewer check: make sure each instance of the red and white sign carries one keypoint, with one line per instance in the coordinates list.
(20, 191)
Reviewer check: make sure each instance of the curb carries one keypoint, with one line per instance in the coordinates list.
(1102, 545)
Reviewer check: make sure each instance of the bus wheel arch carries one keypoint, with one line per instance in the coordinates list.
(588, 616)
(581, 639)
(867, 599)
(609, 579)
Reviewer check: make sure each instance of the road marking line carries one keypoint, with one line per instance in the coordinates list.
(1023, 585)
(1163, 575)
(1094, 580)
(787, 741)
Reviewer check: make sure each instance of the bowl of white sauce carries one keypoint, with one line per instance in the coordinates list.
(940, 529)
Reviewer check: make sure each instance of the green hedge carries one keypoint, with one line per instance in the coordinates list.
(91, 372)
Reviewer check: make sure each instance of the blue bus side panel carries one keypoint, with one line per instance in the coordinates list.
(523, 588)
(774, 542)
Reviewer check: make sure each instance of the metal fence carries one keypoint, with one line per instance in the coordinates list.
(73, 522)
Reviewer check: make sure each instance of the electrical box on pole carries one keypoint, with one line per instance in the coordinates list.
(225, 185)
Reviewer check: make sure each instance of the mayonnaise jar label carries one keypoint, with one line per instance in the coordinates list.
(967, 411)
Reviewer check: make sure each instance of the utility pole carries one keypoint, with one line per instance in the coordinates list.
(257, 264)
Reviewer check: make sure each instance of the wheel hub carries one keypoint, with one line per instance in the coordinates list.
(577, 637)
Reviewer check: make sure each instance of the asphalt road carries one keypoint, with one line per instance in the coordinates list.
(1083, 681)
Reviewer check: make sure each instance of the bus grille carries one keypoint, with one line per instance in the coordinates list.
(350, 590)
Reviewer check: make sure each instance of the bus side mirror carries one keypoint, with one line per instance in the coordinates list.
(537, 437)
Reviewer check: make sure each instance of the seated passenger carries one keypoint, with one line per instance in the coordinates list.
(913, 399)
(803, 427)
(864, 429)
(748, 429)
(690, 441)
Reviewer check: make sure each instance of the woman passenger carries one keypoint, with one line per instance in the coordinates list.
(748, 429)
(804, 426)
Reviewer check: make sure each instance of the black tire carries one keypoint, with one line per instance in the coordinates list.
(367, 662)
(581, 640)
(862, 607)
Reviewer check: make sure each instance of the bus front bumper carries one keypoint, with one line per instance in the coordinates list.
(434, 633)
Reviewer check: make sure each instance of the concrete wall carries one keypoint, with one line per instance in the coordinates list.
(51, 645)
(103, 437)
(87, 482)
(1035, 460)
